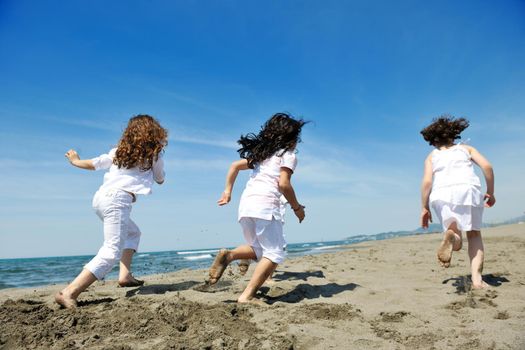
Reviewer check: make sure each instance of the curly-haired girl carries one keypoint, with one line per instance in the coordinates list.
(132, 168)
(453, 190)
(271, 156)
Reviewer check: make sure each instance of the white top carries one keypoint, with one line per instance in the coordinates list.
(131, 180)
(261, 197)
(454, 180)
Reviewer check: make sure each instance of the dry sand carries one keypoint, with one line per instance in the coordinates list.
(375, 295)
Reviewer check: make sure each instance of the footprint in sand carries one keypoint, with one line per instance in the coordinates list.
(220, 286)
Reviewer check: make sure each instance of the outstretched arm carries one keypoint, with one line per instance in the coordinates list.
(426, 187)
(75, 160)
(230, 180)
(488, 172)
(286, 188)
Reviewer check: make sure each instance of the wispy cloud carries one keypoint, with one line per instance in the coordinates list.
(105, 125)
(191, 100)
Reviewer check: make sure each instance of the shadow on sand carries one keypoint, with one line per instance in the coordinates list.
(95, 301)
(463, 284)
(293, 276)
(306, 291)
(161, 288)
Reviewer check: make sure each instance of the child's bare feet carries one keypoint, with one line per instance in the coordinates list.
(219, 265)
(444, 253)
(65, 301)
(130, 281)
(244, 265)
(252, 301)
(480, 285)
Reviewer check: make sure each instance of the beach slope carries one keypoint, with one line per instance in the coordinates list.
(388, 294)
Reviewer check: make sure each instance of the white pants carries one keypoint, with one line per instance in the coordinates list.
(467, 217)
(265, 237)
(120, 232)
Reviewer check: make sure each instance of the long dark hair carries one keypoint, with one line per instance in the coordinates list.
(444, 130)
(280, 132)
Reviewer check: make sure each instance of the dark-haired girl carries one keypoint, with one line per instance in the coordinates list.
(453, 190)
(132, 168)
(270, 154)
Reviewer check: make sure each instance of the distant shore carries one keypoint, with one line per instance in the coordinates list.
(388, 294)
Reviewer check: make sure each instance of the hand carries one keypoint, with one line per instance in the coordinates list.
(490, 200)
(299, 212)
(225, 198)
(72, 156)
(426, 217)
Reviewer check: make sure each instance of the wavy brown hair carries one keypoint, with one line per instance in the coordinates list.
(280, 133)
(141, 143)
(444, 130)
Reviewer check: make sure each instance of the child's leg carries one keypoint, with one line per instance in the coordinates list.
(68, 296)
(270, 279)
(125, 278)
(270, 239)
(264, 268)
(476, 255)
(452, 241)
(225, 257)
(114, 209)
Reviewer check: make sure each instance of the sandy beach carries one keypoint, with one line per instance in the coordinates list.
(388, 294)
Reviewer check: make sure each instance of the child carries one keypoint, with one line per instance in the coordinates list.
(271, 156)
(244, 264)
(133, 166)
(454, 191)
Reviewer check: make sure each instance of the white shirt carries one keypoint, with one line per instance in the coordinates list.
(131, 180)
(261, 197)
(454, 179)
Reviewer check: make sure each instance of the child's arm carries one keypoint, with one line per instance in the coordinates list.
(286, 188)
(75, 160)
(158, 170)
(488, 172)
(426, 187)
(230, 180)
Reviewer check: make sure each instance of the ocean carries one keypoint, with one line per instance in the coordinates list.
(32, 272)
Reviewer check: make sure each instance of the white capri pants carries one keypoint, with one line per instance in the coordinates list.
(265, 237)
(113, 207)
(467, 217)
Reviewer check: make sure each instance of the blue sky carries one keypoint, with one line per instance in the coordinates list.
(368, 74)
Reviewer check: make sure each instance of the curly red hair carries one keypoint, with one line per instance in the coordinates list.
(141, 143)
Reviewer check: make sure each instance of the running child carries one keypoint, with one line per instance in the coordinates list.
(271, 156)
(454, 191)
(132, 168)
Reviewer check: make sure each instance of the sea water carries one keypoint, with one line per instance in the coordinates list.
(31, 272)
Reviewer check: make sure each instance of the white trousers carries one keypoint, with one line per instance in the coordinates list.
(113, 207)
(265, 237)
(466, 217)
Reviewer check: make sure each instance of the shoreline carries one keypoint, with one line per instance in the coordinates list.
(383, 294)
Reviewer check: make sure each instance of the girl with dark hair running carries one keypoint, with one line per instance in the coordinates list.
(132, 168)
(271, 156)
(453, 190)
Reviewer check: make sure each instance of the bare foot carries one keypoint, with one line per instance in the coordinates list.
(252, 301)
(219, 265)
(130, 281)
(444, 253)
(244, 265)
(481, 285)
(65, 301)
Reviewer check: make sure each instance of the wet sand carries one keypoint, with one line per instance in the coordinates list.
(388, 294)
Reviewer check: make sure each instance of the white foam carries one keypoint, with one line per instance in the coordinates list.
(328, 247)
(198, 252)
(199, 257)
